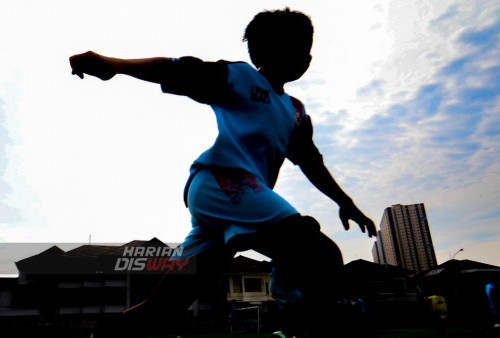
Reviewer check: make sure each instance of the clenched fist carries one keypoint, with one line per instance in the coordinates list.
(92, 64)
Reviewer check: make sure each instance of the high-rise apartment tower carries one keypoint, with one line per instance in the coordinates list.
(404, 239)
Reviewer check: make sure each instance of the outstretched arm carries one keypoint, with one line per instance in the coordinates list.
(303, 152)
(104, 67)
(323, 180)
(205, 82)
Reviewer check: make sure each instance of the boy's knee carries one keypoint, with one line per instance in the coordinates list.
(297, 224)
(310, 224)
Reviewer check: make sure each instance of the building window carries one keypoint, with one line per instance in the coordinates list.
(237, 284)
(253, 284)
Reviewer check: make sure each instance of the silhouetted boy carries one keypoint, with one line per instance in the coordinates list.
(229, 192)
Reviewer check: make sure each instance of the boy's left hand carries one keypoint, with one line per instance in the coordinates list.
(349, 211)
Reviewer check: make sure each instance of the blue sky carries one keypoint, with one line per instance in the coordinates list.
(404, 96)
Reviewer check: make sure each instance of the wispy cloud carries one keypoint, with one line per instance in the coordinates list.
(375, 87)
(439, 141)
(8, 214)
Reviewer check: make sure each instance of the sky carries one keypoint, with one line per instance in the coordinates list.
(404, 97)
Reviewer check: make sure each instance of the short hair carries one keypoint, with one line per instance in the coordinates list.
(267, 28)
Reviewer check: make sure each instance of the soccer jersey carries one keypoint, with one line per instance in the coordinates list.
(255, 125)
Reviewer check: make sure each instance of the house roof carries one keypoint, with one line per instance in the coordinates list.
(90, 259)
(454, 266)
(83, 259)
(94, 251)
(53, 251)
(135, 243)
(365, 270)
(245, 264)
(466, 264)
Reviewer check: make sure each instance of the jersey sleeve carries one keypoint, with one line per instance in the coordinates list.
(204, 82)
(301, 149)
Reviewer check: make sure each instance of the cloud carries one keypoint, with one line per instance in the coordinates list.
(491, 215)
(450, 14)
(8, 214)
(484, 37)
(445, 115)
(375, 87)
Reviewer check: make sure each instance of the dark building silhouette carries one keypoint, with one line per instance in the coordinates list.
(92, 284)
(84, 290)
(463, 285)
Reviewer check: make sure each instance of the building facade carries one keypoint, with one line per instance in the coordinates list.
(404, 239)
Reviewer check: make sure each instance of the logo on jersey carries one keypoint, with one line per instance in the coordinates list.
(299, 110)
(259, 94)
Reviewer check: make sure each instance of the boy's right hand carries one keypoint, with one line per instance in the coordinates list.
(92, 64)
(349, 211)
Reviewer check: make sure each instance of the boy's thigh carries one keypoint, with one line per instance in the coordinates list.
(293, 242)
(311, 258)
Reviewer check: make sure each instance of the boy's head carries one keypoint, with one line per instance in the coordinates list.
(280, 40)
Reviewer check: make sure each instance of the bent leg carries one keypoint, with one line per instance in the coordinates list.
(304, 259)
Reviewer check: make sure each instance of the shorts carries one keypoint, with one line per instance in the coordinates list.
(228, 202)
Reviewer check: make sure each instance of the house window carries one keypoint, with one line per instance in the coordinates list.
(253, 284)
(237, 284)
